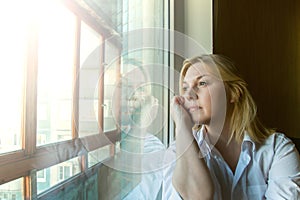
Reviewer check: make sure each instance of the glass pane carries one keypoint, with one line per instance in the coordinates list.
(12, 190)
(109, 10)
(111, 87)
(51, 176)
(90, 52)
(143, 105)
(13, 41)
(55, 73)
(98, 155)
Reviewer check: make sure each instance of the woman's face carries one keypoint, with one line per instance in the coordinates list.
(204, 95)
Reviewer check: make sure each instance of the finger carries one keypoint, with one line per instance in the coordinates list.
(181, 100)
(175, 108)
(178, 100)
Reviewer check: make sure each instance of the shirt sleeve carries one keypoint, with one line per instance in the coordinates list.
(284, 173)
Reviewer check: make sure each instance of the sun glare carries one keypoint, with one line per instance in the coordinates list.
(54, 24)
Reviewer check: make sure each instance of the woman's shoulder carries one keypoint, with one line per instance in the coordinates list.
(276, 152)
(279, 138)
(282, 164)
(280, 143)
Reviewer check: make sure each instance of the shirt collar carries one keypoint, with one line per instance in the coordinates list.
(202, 139)
(248, 142)
(200, 135)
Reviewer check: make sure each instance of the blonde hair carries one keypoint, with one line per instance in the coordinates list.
(244, 113)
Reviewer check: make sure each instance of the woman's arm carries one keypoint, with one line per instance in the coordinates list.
(191, 177)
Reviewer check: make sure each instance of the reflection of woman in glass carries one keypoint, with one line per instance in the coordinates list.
(139, 104)
(142, 149)
(230, 154)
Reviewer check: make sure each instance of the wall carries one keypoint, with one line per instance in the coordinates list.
(193, 18)
(198, 22)
(263, 38)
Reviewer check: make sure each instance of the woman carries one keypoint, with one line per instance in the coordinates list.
(222, 150)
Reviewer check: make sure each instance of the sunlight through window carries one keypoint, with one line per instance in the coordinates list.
(55, 74)
(13, 41)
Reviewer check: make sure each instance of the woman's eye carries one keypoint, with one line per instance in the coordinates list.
(202, 83)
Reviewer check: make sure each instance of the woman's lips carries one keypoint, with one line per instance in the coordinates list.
(193, 108)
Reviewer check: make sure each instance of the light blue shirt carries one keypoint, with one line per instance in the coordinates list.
(267, 171)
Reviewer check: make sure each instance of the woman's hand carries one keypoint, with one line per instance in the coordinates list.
(183, 125)
(180, 115)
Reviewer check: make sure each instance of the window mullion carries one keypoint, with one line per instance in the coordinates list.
(29, 119)
(101, 86)
(75, 111)
(76, 74)
(119, 92)
(30, 186)
(118, 105)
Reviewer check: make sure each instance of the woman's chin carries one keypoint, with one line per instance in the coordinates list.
(198, 121)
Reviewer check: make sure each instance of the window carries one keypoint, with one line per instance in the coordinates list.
(11, 190)
(64, 172)
(12, 39)
(81, 90)
(57, 174)
(52, 94)
(90, 74)
(41, 175)
(55, 71)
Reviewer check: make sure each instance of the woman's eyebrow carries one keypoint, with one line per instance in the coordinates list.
(201, 76)
(197, 78)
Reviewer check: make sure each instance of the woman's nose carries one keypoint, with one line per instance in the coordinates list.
(191, 94)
